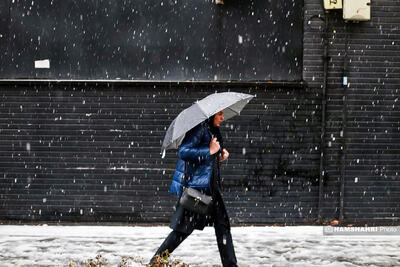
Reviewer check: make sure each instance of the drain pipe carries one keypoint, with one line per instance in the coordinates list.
(343, 133)
(323, 119)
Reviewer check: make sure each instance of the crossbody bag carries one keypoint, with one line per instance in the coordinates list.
(192, 199)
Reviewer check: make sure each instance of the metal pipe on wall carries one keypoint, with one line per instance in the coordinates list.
(323, 120)
(343, 132)
(323, 114)
(325, 59)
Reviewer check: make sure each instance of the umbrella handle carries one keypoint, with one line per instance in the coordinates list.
(212, 136)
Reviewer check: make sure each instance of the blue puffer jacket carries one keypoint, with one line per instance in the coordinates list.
(195, 151)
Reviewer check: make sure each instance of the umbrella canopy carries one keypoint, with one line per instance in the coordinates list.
(231, 102)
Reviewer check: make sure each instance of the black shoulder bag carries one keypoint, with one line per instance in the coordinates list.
(192, 199)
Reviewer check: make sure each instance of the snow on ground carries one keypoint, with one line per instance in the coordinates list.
(255, 246)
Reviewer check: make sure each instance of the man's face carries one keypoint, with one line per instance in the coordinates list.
(218, 118)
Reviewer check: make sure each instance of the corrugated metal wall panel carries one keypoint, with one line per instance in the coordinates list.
(83, 153)
(372, 129)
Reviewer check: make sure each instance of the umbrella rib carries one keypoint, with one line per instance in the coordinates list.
(234, 111)
(204, 113)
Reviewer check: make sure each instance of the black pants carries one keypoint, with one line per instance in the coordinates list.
(224, 241)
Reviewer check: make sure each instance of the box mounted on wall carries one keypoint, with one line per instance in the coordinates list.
(357, 10)
(333, 4)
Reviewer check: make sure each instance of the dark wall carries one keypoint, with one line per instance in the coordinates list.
(92, 153)
(365, 146)
(152, 40)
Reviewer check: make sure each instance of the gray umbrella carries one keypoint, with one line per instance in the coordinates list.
(231, 102)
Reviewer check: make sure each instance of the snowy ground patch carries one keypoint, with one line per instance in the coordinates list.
(255, 246)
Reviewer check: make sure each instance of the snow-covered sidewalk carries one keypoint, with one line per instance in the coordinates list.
(255, 246)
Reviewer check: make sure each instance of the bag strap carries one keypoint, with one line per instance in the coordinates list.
(185, 180)
(217, 161)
